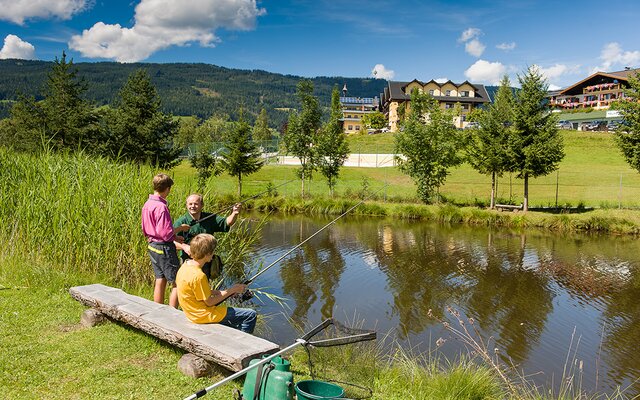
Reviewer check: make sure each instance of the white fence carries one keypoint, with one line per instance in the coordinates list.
(354, 160)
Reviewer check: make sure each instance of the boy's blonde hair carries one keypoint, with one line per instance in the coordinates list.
(162, 182)
(202, 245)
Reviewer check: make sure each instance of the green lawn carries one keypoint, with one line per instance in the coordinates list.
(590, 174)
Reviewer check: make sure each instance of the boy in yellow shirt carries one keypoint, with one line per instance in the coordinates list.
(198, 300)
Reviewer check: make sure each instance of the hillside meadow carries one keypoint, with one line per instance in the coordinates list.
(592, 174)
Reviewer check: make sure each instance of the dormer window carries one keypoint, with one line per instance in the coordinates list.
(464, 93)
(448, 93)
(431, 92)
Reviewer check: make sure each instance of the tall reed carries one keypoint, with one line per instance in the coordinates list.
(81, 212)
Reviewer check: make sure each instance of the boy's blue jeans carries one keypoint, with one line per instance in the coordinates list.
(240, 318)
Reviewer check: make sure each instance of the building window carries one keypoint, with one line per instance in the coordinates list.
(448, 105)
(448, 92)
(357, 127)
(465, 106)
(464, 93)
(350, 128)
(431, 92)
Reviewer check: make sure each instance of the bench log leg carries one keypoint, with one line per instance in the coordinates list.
(194, 366)
(92, 317)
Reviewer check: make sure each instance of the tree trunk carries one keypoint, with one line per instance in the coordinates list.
(526, 193)
(302, 190)
(493, 190)
(239, 186)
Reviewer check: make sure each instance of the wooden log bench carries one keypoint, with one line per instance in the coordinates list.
(205, 343)
(509, 207)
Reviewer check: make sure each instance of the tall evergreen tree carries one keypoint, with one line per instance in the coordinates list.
(63, 119)
(25, 129)
(488, 148)
(535, 146)
(430, 144)
(138, 130)
(627, 136)
(332, 147)
(261, 129)
(242, 156)
(302, 130)
(68, 117)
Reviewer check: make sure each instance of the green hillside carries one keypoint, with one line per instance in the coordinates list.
(186, 89)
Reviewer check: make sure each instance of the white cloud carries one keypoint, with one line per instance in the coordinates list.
(472, 44)
(381, 72)
(18, 11)
(486, 72)
(469, 34)
(441, 80)
(163, 23)
(14, 47)
(612, 56)
(554, 87)
(506, 46)
(557, 70)
(474, 47)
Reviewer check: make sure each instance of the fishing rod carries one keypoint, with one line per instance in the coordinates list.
(194, 222)
(248, 294)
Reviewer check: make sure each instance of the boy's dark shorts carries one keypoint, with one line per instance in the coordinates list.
(164, 260)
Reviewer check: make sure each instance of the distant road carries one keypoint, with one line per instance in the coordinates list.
(354, 160)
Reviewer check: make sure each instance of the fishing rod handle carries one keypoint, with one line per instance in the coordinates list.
(246, 295)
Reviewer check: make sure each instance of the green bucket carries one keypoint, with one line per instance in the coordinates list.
(318, 390)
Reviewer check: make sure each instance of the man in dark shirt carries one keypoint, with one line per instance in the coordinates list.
(215, 223)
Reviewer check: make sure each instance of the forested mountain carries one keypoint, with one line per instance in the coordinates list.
(186, 89)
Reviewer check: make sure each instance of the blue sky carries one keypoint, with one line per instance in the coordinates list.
(477, 41)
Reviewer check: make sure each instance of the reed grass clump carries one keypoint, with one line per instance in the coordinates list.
(82, 213)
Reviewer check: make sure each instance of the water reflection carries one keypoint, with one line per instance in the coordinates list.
(529, 292)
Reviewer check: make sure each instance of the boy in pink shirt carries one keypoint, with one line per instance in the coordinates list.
(162, 240)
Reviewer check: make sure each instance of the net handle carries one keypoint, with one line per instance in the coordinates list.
(317, 329)
(344, 340)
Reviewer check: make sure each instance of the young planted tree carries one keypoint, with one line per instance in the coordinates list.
(138, 130)
(332, 147)
(487, 151)
(302, 130)
(535, 147)
(430, 144)
(205, 164)
(261, 131)
(627, 136)
(187, 131)
(242, 156)
(374, 120)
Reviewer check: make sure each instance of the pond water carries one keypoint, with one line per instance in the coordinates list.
(542, 298)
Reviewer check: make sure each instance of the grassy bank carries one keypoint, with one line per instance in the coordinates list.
(600, 221)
